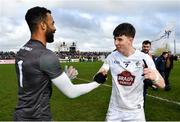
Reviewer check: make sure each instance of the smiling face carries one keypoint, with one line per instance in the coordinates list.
(146, 48)
(123, 44)
(124, 34)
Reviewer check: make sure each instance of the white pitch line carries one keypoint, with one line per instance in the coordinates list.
(163, 99)
(156, 97)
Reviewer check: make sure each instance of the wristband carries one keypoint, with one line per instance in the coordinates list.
(100, 78)
(157, 79)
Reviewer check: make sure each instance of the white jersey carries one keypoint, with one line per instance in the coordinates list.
(127, 79)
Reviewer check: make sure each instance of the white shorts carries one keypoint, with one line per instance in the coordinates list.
(128, 116)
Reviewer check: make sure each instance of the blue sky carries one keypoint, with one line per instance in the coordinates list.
(90, 23)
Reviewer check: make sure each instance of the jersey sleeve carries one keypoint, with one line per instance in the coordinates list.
(50, 65)
(150, 62)
(106, 64)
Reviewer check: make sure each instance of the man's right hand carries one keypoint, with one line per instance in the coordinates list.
(71, 72)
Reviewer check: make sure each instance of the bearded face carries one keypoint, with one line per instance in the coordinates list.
(50, 35)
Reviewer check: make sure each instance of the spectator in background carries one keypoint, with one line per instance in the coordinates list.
(161, 63)
(168, 67)
(146, 46)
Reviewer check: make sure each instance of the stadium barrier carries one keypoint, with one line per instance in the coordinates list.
(68, 60)
(12, 61)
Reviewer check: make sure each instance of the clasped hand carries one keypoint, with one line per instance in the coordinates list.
(71, 72)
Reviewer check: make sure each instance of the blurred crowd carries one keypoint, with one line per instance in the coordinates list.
(79, 55)
(7, 55)
(62, 55)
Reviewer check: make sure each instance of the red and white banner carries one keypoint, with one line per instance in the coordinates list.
(7, 61)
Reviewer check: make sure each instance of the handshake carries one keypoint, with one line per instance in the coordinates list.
(72, 74)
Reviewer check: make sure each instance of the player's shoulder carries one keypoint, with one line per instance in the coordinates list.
(112, 54)
(48, 58)
(48, 54)
(140, 54)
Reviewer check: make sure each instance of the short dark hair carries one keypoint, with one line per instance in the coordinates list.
(124, 29)
(146, 42)
(164, 53)
(36, 15)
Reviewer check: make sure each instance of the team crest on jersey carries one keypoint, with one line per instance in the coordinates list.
(125, 78)
(138, 64)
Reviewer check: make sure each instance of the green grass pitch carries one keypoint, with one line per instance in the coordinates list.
(92, 106)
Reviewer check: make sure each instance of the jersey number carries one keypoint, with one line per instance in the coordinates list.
(126, 64)
(20, 73)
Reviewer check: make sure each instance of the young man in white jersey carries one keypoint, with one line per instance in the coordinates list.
(127, 67)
